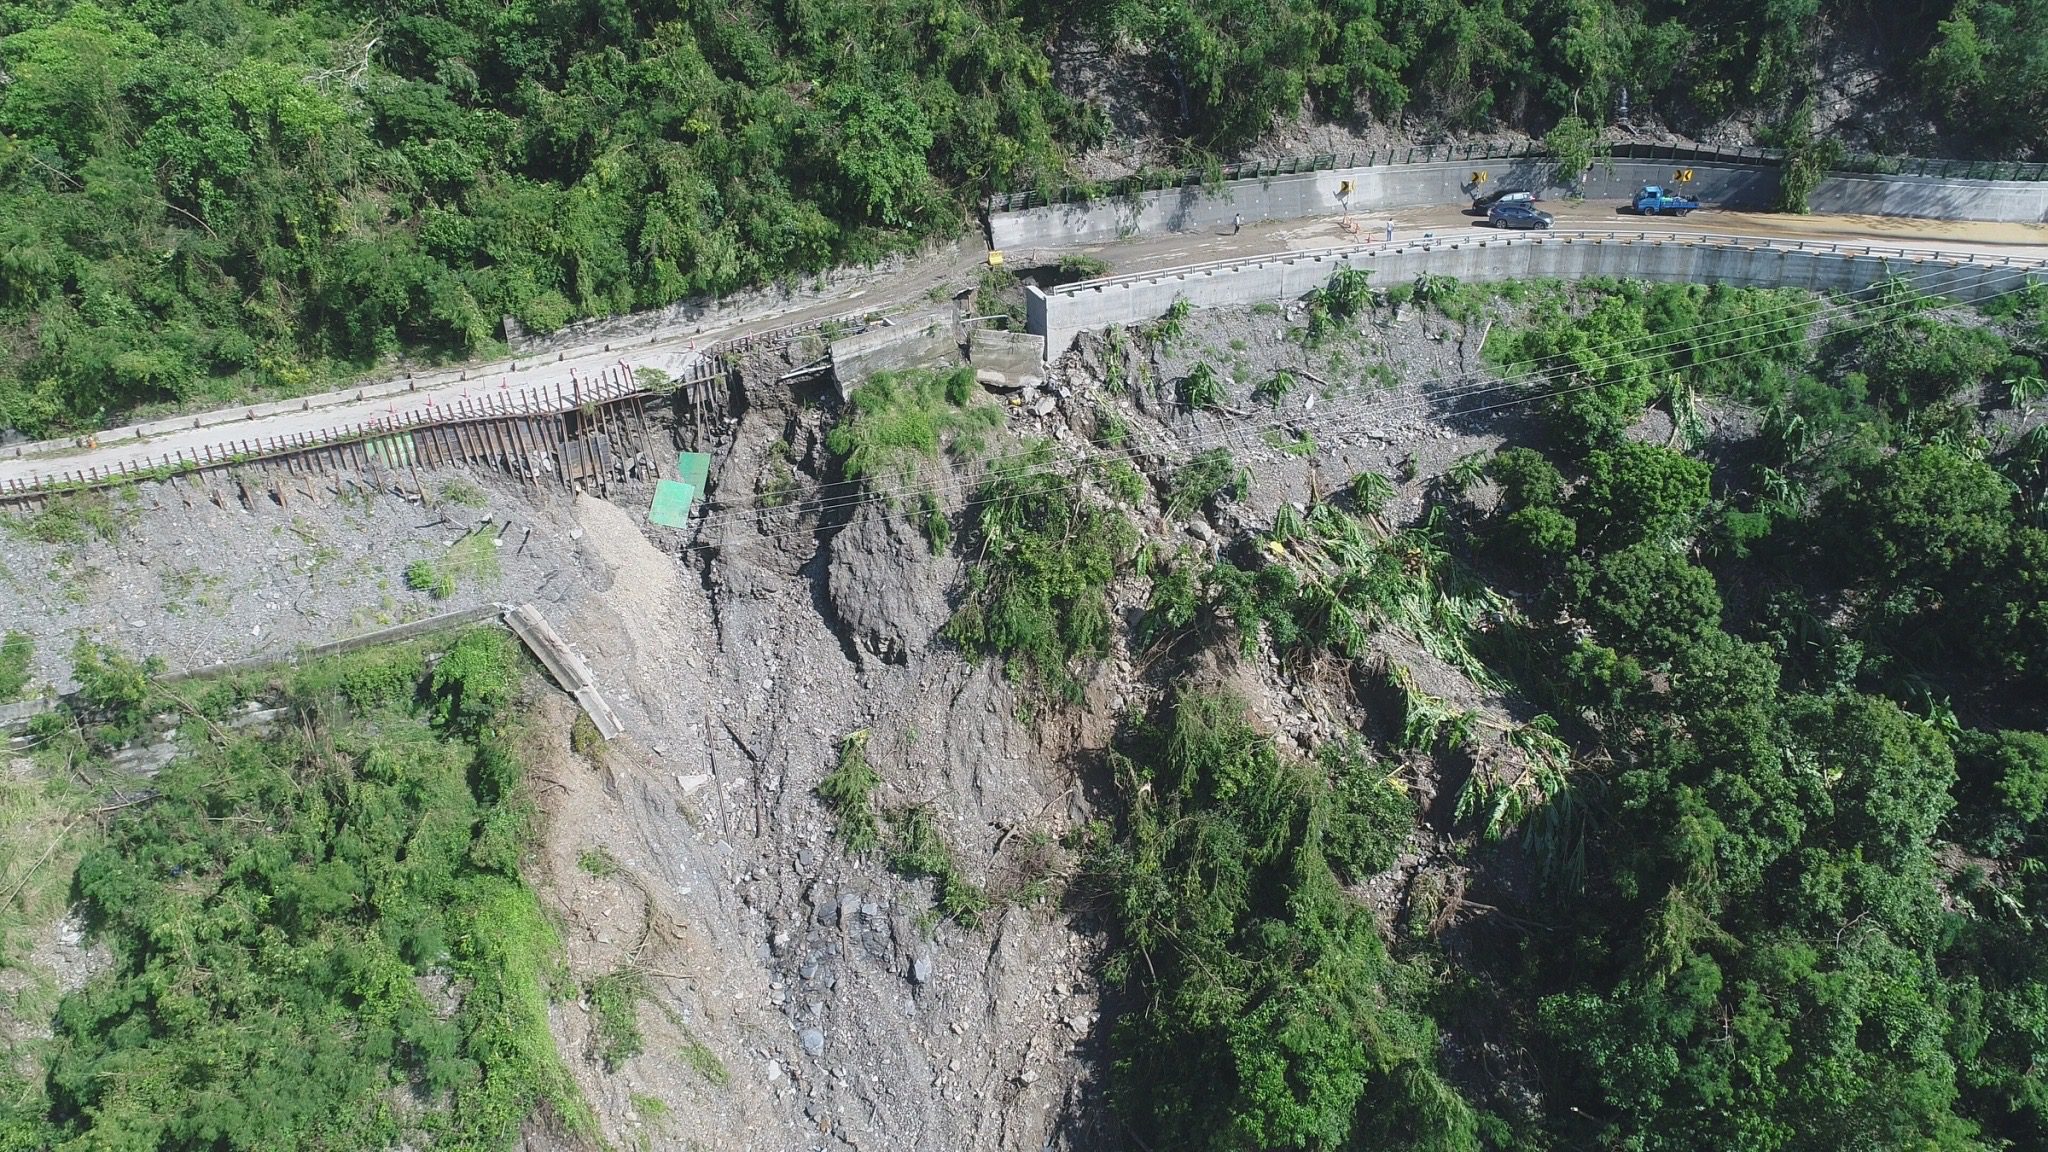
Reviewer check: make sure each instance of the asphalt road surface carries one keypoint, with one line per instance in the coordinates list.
(916, 282)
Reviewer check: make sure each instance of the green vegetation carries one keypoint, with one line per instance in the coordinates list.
(1333, 306)
(207, 201)
(1274, 388)
(72, 518)
(615, 1015)
(17, 652)
(900, 421)
(1080, 266)
(207, 204)
(920, 853)
(463, 494)
(1571, 144)
(1201, 388)
(1756, 826)
(777, 485)
(1207, 477)
(472, 558)
(1172, 324)
(301, 921)
(849, 791)
(706, 1063)
(1043, 557)
(938, 528)
(915, 849)
(1249, 970)
(597, 862)
(1123, 482)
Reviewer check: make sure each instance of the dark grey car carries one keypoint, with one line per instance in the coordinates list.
(1487, 200)
(1511, 214)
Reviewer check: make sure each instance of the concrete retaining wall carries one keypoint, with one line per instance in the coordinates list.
(1386, 187)
(1932, 198)
(919, 341)
(1672, 257)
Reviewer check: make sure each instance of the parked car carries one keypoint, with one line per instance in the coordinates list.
(1503, 196)
(1517, 214)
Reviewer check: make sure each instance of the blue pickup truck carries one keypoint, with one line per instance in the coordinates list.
(1655, 201)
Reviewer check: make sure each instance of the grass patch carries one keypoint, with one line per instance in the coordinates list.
(615, 1015)
(1201, 388)
(473, 558)
(597, 862)
(1080, 266)
(17, 653)
(1274, 388)
(1123, 482)
(72, 518)
(777, 485)
(900, 421)
(1171, 325)
(584, 738)
(938, 530)
(849, 790)
(920, 853)
(1301, 445)
(1333, 306)
(704, 1062)
(914, 847)
(1204, 479)
(463, 494)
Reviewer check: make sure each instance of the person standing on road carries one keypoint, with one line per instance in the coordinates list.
(1236, 223)
(1390, 231)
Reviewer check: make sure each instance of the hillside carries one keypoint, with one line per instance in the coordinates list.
(1423, 716)
(212, 200)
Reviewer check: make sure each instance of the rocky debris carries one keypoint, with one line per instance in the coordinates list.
(847, 1013)
(201, 583)
(887, 588)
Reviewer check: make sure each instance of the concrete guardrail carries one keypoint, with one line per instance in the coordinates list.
(1380, 188)
(1686, 257)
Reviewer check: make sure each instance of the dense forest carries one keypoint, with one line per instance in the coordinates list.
(1752, 850)
(299, 921)
(205, 200)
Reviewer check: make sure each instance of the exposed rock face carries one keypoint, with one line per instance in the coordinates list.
(888, 589)
(850, 1013)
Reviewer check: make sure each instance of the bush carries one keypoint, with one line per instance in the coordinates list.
(849, 791)
(473, 683)
(1039, 596)
(1201, 388)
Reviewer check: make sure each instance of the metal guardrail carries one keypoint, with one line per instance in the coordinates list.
(1854, 164)
(563, 396)
(1485, 238)
(533, 400)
